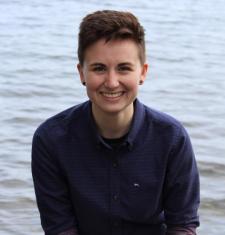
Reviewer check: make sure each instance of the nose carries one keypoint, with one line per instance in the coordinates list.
(111, 80)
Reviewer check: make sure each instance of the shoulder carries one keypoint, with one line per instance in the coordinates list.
(164, 124)
(62, 121)
(160, 118)
(169, 133)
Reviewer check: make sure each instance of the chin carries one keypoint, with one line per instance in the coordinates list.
(113, 109)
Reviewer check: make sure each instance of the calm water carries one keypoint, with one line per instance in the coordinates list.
(38, 78)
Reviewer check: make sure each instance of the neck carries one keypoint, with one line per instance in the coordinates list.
(113, 125)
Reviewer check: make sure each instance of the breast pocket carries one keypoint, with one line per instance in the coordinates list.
(142, 199)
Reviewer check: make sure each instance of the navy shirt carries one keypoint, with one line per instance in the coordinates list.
(82, 182)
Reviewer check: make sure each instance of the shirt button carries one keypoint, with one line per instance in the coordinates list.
(115, 197)
(115, 223)
(115, 164)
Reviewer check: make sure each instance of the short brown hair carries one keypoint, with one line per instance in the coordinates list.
(110, 25)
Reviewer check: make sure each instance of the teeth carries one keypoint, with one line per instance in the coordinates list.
(112, 94)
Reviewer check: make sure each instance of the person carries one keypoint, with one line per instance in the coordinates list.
(112, 165)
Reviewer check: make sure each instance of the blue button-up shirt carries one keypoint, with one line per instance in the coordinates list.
(82, 182)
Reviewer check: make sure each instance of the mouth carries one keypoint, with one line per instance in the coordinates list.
(112, 94)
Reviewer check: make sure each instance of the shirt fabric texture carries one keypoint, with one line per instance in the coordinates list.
(81, 182)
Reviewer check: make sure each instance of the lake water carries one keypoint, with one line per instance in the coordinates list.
(38, 78)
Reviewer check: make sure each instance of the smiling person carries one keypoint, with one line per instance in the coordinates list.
(112, 165)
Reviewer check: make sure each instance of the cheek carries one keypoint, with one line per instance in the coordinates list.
(132, 82)
(93, 84)
(91, 81)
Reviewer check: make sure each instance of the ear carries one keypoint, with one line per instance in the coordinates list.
(144, 71)
(81, 73)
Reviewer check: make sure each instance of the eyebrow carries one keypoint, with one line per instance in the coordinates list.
(126, 64)
(96, 64)
(120, 64)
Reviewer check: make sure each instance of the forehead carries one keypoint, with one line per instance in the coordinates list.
(112, 51)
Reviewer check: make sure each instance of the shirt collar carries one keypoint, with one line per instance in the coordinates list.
(137, 122)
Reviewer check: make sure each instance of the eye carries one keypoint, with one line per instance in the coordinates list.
(124, 68)
(99, 68)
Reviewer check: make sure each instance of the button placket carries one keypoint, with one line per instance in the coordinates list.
(115, 197)
(115, 194)
(115, 164)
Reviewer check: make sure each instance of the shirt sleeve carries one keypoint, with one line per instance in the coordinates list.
(181, 230)
(72, 231)
(52, 194)
(181, 192)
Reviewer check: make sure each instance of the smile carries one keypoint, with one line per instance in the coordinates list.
(112, 94)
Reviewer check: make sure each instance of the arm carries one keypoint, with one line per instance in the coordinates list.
(182, 230)
(181, 191)
(52, 193)
(72, 231)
